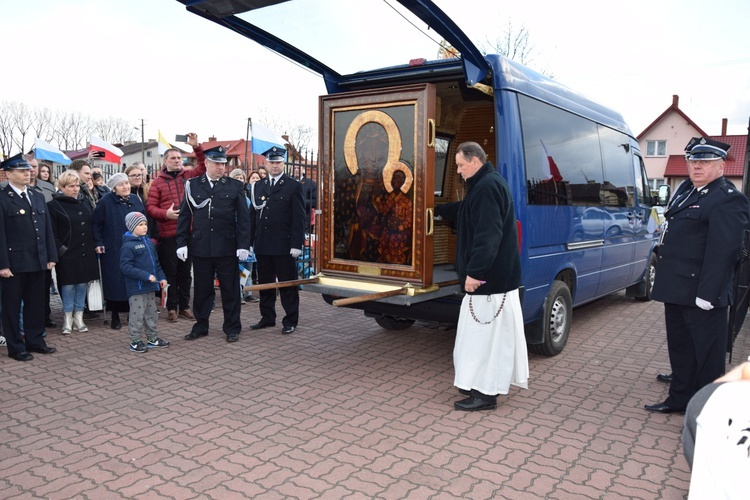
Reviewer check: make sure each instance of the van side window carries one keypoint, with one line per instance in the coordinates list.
(562, 153)
(618, 189)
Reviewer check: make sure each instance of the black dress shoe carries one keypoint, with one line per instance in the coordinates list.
(288, 329)
(90, 315)
(115, 324)
(195, 335)
(260, 325)
(464, 392)
(663, 408)
(474, 404)
(233, 338)
(49, 323)
(44, 350)
(664, 377)
(22, 356)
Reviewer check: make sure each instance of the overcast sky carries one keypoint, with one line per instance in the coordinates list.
(153, 60)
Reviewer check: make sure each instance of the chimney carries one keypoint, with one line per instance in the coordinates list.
(723, 126)
(212, 138)
(675, 101)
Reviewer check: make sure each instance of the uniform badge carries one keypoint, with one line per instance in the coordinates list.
(22, 211)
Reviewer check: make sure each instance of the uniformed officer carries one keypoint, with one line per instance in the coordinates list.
(27, 251)
(277, 229)
(214, 224)
(705, 222)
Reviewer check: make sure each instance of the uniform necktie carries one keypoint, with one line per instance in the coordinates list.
(273, 181)
(23, 195)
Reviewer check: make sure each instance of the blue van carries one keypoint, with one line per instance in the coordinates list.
(387, 143)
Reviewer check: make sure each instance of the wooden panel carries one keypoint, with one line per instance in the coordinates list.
(476, 124)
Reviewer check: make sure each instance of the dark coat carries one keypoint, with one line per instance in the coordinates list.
(280, 225)
(221, 226)
(71, 224)
(138, 261)
(487, 246)
(109, 226)
(27, 243)
(701, 245)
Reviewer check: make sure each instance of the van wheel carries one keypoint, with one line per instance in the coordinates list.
(649, 278)
(393, 323)
(556, 318)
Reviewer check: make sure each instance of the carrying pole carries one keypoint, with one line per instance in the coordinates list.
(279, 284)
(371, 296)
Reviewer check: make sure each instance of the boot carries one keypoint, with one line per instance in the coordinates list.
(67, 323)
(78, 323)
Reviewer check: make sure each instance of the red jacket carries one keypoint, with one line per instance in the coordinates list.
(166, 190)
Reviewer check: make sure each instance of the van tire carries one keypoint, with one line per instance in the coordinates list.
(557, 316)
(393, 323)
(649, 278)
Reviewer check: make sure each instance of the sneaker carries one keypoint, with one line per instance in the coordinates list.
(2, 340)
(138, 346)
(157, 342)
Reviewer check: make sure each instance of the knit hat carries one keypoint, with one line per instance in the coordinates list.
(133, 219)
(116, 179)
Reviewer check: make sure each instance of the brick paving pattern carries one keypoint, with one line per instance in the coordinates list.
(339, 409)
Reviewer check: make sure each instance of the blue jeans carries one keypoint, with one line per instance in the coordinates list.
(73, 297)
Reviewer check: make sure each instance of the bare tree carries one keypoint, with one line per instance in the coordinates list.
(42, 125)
(516, 44)
(6, 129)
(300, 136)
(72, 130)
(21, 124)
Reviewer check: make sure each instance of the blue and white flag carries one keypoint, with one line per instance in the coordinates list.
(45, 151)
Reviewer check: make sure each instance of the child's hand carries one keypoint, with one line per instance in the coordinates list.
(152, 278)
(163, 284)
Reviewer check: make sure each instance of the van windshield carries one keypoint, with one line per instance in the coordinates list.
(378, 33)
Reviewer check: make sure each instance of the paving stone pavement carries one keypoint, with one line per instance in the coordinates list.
(339, 409)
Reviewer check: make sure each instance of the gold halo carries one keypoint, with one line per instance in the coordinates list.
(391, 129)
(388, 172)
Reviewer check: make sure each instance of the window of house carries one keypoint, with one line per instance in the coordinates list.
(656, 148)
(655, 183)
(148, 153)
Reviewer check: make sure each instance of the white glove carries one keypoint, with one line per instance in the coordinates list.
(294, 252)
(703, 304)
(182, 253)
(242, 254)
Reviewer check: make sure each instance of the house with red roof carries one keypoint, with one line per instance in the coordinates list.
(663, 146)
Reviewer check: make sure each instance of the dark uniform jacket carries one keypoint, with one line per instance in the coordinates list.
(487, 245)
(221, 226)
(701, 245)
(26, 240)
(277, 216)
(71, 224)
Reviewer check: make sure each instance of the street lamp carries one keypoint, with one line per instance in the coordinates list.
(143, 142)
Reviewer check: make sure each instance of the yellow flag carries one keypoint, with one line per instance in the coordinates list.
(163, 144)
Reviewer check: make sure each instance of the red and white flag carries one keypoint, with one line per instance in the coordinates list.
(112, 154)
(549, 167)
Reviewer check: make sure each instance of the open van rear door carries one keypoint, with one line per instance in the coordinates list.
(344, 40)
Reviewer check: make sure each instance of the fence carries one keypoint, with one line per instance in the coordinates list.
(306, 163)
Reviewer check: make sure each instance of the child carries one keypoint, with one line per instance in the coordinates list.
(140, 266)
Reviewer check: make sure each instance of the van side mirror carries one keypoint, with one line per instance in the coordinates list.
(663, 197)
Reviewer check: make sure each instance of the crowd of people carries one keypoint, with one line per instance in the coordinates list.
(129, 237)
